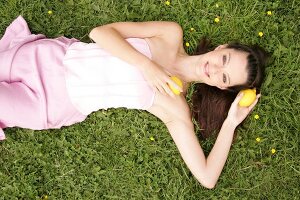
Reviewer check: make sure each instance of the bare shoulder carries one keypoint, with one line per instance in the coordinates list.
(167, 44)
(169, 109)
(173, 29)
(171, 33)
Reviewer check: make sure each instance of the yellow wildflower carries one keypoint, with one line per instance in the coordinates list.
(167, 3)
(217, 5)
(256, 116)
(258, 139)
(192, 29)
(260, 34)
(50, 12)
(269, 13)
(217, 19)
(187, 44)
(152, 138)
(273, 151)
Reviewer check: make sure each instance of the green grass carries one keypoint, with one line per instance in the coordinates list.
(110, 155)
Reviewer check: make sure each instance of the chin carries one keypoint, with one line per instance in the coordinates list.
(221, 88)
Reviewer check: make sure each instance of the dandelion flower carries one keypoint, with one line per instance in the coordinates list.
(217, 5)
(256, 116)
(257, 139)
(45, 197)
(187, 44)
(217, 19)
(269, 13)
(50, 12)
(260, 34)
(167, 3)
(273, 151)
(192, 29)
(152, 138)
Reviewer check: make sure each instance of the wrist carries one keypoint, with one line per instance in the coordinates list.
(230, 124)
(145, 64)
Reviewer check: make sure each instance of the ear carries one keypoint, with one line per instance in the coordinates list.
(223, 46)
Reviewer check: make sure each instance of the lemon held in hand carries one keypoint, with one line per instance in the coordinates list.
(248, 97)
(178, 82)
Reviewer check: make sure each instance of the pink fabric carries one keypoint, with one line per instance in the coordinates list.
(32, 80)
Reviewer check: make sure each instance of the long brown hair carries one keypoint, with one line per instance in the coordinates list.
(210, 104)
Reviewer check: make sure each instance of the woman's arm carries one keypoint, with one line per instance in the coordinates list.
(111, 37)
(207, 170)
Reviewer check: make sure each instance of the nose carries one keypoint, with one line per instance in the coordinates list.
(215, 69)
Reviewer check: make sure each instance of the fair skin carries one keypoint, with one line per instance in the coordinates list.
(222, 68)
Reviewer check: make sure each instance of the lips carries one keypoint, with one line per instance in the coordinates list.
(206, 70)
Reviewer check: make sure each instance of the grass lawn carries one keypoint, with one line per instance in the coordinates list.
(111, 155)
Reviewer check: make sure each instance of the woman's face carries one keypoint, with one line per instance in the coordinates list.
(223, 67)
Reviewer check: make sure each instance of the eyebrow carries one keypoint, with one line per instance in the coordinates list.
(228, 58)
(227, 64)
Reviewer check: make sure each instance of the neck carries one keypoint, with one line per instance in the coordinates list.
(185, 67)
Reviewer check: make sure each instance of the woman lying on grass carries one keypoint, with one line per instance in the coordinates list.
(50, 83)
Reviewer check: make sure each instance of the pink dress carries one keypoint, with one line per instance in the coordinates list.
(50, 83)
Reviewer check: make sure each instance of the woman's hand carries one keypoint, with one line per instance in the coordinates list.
(159, 79)
(236, 113)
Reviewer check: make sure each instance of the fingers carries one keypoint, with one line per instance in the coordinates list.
(255, 102)
(238, 98)
(170, 86)
(167, 90)
(161, 82)
(258, 96)
(174, 84)
(164, 89)
(160, 89)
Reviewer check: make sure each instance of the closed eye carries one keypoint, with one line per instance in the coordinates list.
(224, 59)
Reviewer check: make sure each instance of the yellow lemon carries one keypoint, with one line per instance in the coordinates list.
(178, 82)
(248, 98)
